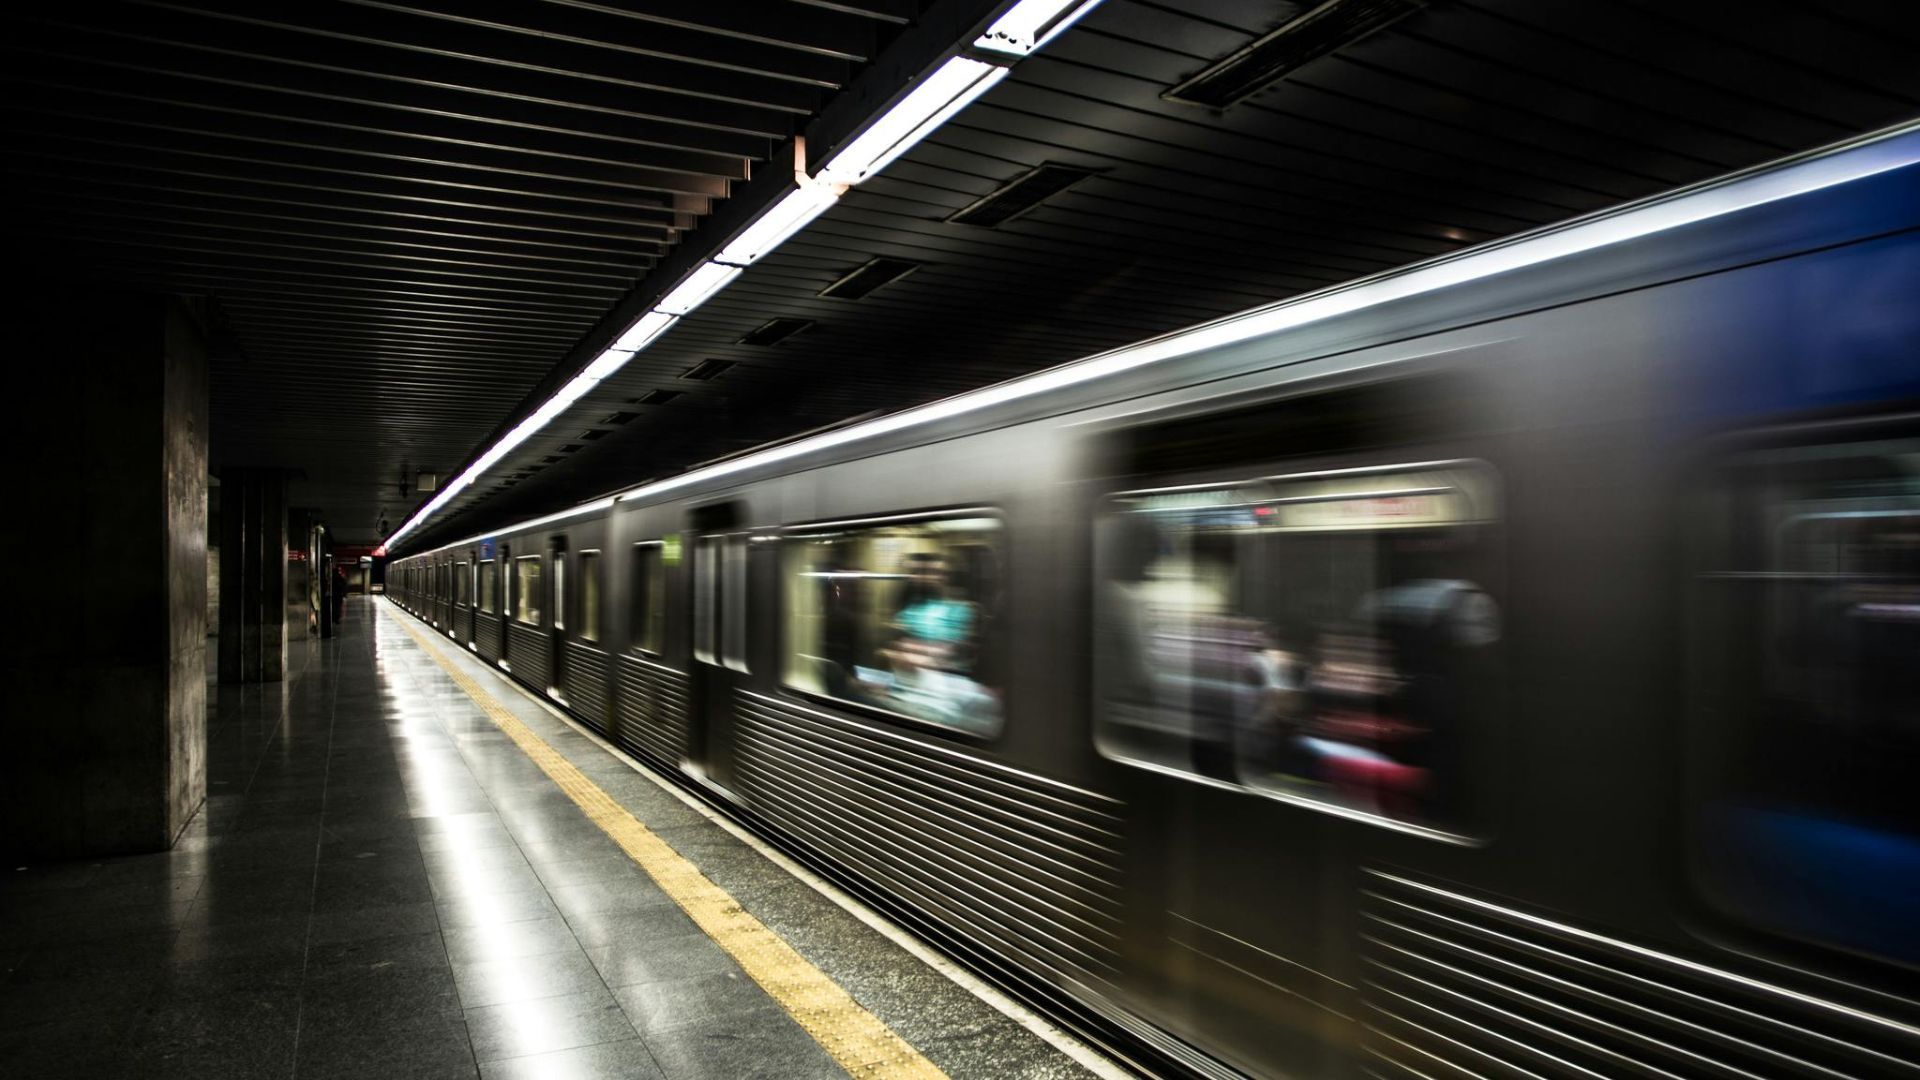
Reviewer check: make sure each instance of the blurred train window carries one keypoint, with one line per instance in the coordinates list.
(489, 584)
(559, 592)
(1807, 822)
(899, 615)
(1324, 637)
(733, 622)
(590, 596)
(460, 582)
(526, 589)
(706, 586)
(649, 597)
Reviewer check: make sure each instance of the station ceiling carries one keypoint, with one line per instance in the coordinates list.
(409, 218)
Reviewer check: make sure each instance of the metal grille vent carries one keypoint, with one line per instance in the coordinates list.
(710, 368)
(1461, 986)
(1329, 27)
(1020, 195)
(619, 418)
(863, 280)
(657, 397)
(775, 331)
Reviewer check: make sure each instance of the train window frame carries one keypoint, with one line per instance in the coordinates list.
(489, 597)
(785, 539)
(736, 601)
(1716, 730)
(559, 591)
(518, 594)
(708, 580)
(640, 608)
(1474, 827)
(591, 614)
(461, 575)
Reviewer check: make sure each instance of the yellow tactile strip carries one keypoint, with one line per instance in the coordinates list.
(852, 1036)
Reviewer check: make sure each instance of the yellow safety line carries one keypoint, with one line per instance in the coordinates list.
(854, 1037)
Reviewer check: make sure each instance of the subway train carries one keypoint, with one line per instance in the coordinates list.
(1507, 665)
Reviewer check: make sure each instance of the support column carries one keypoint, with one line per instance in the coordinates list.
(103, 669)
(233, 574)
(270, 576)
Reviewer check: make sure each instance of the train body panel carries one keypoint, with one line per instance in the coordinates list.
(1549, 506)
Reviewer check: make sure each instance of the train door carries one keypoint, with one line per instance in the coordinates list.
(507, 586)
(719, 549)
(556, 647)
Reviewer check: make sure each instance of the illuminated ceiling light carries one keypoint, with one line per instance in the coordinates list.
(1030, 24)
(951, 87)
(795, 211)
(607, 363)
(642, 332)
(697, 288)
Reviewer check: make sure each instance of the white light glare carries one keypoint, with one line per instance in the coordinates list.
(951, 87)
(788, 216)
(641, 333)
(607, 363)
(697, 288)
(1030, 24)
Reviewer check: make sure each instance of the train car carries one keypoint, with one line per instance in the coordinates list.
(1501, 666)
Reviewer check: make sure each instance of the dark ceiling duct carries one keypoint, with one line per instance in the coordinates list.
(1327, 28)
(707, 370)
(775, 331)
(1019, 195)
(863, 280)
(657, 397)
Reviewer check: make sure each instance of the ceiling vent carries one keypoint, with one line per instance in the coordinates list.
(656, 397)
(1019, 195)
(571, 448)
(1327, 28)
(591, 434)
(707, 370)
(863, 280)
(550, 459)
(775, 331)
(619, 418)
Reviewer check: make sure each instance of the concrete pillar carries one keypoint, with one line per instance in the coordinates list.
(253, 567)
(233, 575)
(103, 669)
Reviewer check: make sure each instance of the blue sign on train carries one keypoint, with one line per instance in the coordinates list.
(486, 548)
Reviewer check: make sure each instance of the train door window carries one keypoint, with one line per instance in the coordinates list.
(1806, 821)
(461, 579)
(559, 591)
(489, 584)
(899, 614)
(1324, 638)
(649, 597)
(589, 618)
(733, 590)
(706, 586)
(526, 589)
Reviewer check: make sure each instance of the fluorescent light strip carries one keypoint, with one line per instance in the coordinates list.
(644, 331)
(1030, 24)
(793, 212)
(951, 87)
(696, 288)
(1815, 171)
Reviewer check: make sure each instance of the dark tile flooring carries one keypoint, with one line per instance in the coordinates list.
(380, 885)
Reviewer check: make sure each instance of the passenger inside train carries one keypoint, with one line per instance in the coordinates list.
(1317, 637)
(899, 617)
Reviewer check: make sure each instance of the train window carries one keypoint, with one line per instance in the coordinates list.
(1806, 821)
(733, 622)
(559, 591)
(706, 586)
(649, 597)
(590, 596)
(489, 584)
(1323, 638)
(526, 589)
(460, 583)
(899, 614)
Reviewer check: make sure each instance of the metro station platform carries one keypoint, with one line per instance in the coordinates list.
(407, 867)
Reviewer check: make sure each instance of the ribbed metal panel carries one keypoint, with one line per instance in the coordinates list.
(462, 625)
(488, 636)
(585, 673)
(1459, 986)
(653, 711)
(530, 654)
(1021, 866)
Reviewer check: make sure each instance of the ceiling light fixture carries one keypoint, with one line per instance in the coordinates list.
(1030, 24)
(949, 89)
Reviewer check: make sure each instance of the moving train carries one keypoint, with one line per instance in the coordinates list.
(1507, 665)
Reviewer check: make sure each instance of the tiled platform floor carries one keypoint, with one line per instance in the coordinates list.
(382, 885)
